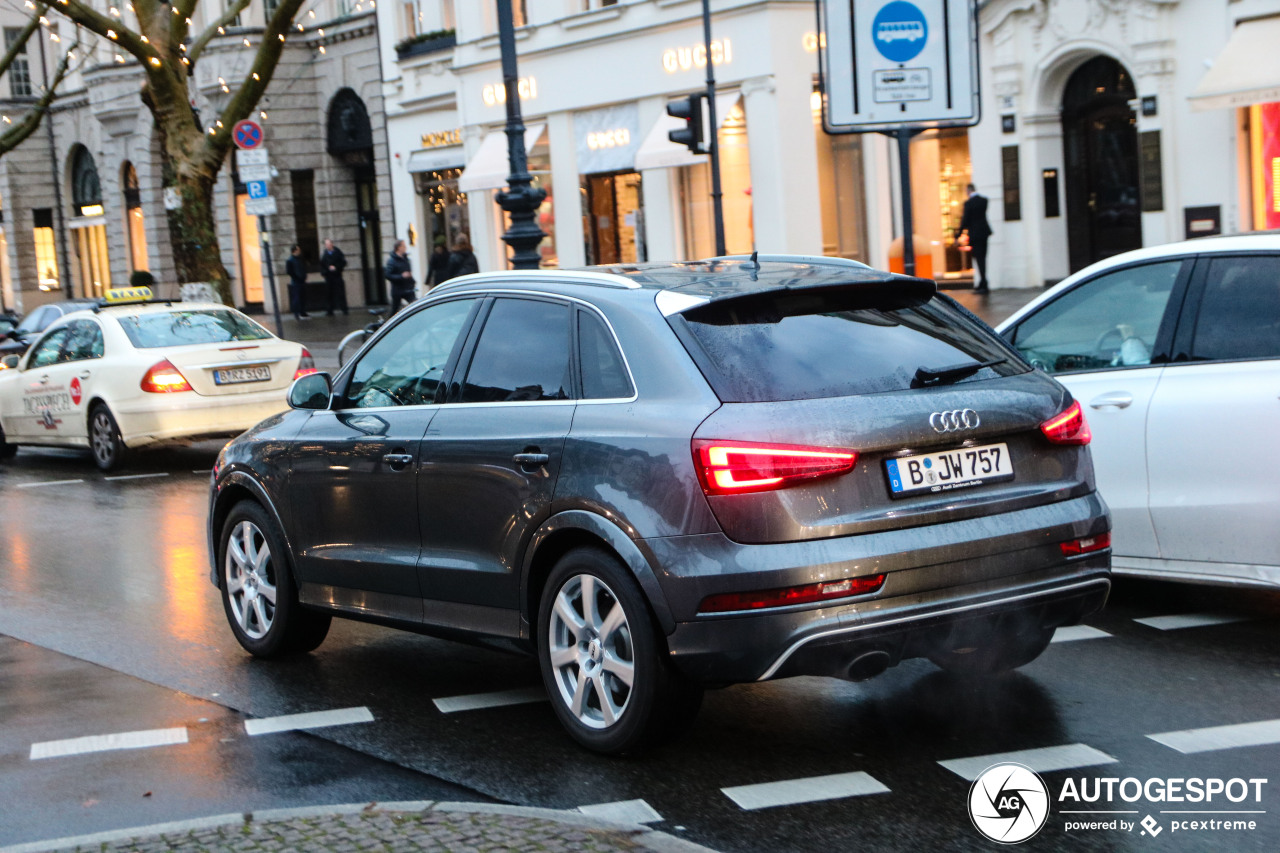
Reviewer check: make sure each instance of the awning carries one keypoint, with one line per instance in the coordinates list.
(490, 168)
(437, 159)
(1246, 71)
(659, 152)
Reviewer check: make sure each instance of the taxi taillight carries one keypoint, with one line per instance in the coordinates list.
(306, 365)
(164, 378)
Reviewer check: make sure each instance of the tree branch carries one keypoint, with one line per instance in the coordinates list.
(20, 43)
(16, 135)
(202, 40)
(96, 22)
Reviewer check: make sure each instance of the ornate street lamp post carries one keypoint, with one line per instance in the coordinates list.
(521, 199)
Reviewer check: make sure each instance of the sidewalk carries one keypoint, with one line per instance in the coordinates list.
(399, 827)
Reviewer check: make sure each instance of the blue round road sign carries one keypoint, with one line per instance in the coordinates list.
(247, 134)
(900, 31)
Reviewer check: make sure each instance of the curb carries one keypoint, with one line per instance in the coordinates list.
(644, 837)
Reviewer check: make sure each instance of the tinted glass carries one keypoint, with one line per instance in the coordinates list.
(604, 375)
(175, 328)
(1240, 311)
(1108, 321)
(808, 346)
(85, 341)
(49, 349)
(406, 366)
(522, 355)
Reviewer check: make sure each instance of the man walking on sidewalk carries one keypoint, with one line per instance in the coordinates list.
(332, 263)
(974, 226)
(400, 276)
(296, 267)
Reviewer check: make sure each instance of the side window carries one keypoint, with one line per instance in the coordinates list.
(84, 342)
(48, 350)
(1108, 321)
(406, 367)
(522, 354)
(1240, 310)
(604, 375)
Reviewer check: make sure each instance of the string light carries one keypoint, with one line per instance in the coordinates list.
(114, 12)
(7, 120)
(145, 40)
(111, 34)
(155, 60)
(119, 59)
(255, 76)
(44, 22)
(222, 31)
(186, 61)
(282, 37)
(311, 14)
(54, 37)
(218, 122)
(262, 115)
(321, 31)
(30, 5)
(322, 48)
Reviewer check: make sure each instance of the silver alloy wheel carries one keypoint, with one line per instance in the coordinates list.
(250, 578)
(591, 651)
(103, 437)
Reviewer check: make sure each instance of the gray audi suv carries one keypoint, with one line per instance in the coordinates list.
(666, 477)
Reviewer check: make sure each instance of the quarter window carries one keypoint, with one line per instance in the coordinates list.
(522, 355)
(1108, 321)
(1240, 310)
(406, 366)
(604, 375)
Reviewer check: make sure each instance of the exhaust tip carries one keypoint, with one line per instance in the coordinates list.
(867, 665)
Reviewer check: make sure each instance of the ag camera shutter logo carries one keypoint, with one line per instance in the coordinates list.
(1009, 803)
(900, 31)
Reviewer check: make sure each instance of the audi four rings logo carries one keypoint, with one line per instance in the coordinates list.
(954, 420)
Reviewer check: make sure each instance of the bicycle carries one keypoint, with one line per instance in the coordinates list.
(352, 343)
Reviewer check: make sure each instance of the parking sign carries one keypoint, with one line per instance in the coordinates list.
(893, 63)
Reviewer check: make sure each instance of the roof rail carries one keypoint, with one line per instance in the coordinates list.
(603, 279)
(813, 260)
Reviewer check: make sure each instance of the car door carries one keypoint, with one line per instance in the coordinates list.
(41, 415)
(1215, 473)
(353, 484)
(490, 462)
(1100, 339)
(73, 376)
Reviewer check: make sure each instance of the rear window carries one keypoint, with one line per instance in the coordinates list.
(806, 346)
(176, 328)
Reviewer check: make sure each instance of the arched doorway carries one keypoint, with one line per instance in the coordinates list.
(1100, 142)
(350, 139)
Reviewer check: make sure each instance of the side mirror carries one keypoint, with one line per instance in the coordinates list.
(10, 361)
(311, 391)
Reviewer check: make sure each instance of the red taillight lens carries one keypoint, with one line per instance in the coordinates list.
(736, 467)
(1068, 427)
(306, 365)
(829, 590)
(164, 378)
(1076, 547)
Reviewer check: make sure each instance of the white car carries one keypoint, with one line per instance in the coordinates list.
(1174, 351)
(122, 376)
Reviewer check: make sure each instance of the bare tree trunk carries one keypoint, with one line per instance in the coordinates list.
(193, 235)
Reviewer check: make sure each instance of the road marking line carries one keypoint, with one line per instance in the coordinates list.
(476, 701)
(625, 811)
(1043, 760)
(309, 720)
(105, 743)
(48, 483)
(811, 790)
(136, 476)
(1221, 737)
(1189, 620)
(201, 470)
(1077, 632)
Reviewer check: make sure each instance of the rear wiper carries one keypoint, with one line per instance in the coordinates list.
(950, 373)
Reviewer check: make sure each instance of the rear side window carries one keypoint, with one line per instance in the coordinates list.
(84, 343)
(604, 375)
(1240, 310)
(809, 346)
(176, 328)
(522, 354)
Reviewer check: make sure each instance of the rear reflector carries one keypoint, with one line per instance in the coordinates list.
(1068, 427)
(164, 378)
(809, 593)
(306, 365)
(737, 467)
(1076, 547)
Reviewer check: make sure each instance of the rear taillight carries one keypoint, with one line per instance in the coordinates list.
(306, 365)
(1068, 427)
(730, 602)
(737, 467)
(164, 378)
(1076, 547)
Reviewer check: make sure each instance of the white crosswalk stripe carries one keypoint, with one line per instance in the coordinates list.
(309, 720)
(812, 789)
(1043, 760)
(1071, 633)
(624, 811)
(477, 701)
(1189, 620)
(107, 743)
(1261, 733)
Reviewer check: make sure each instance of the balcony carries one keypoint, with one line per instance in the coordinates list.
(432, 42)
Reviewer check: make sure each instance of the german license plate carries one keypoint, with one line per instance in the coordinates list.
(235, 375)
(946, 470)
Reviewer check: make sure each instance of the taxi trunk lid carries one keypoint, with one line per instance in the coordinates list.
(241, 367)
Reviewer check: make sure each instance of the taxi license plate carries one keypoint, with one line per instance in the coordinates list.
(946, 470)
(235, 375)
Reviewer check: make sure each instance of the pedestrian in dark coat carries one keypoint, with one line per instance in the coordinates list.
(462, 261)
(438, 264)
(974, 226)
(296, 267)
(400, 276)
(332, 263)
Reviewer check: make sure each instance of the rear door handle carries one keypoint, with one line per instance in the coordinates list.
(397, 461)
(1112, 399)
(531, 459)
(85, 375)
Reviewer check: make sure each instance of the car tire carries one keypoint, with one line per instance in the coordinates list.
(7, 450)
(587, 651)
(249, 579)
(1001, 653)
(104, 439)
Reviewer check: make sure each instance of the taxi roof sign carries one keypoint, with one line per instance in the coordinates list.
(126, 295)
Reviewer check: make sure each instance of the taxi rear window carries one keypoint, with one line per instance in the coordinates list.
(177, 328)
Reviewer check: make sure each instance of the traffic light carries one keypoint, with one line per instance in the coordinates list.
(690, 110)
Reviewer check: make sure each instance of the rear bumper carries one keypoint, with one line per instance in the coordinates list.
(189, 416)
(992, 574)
